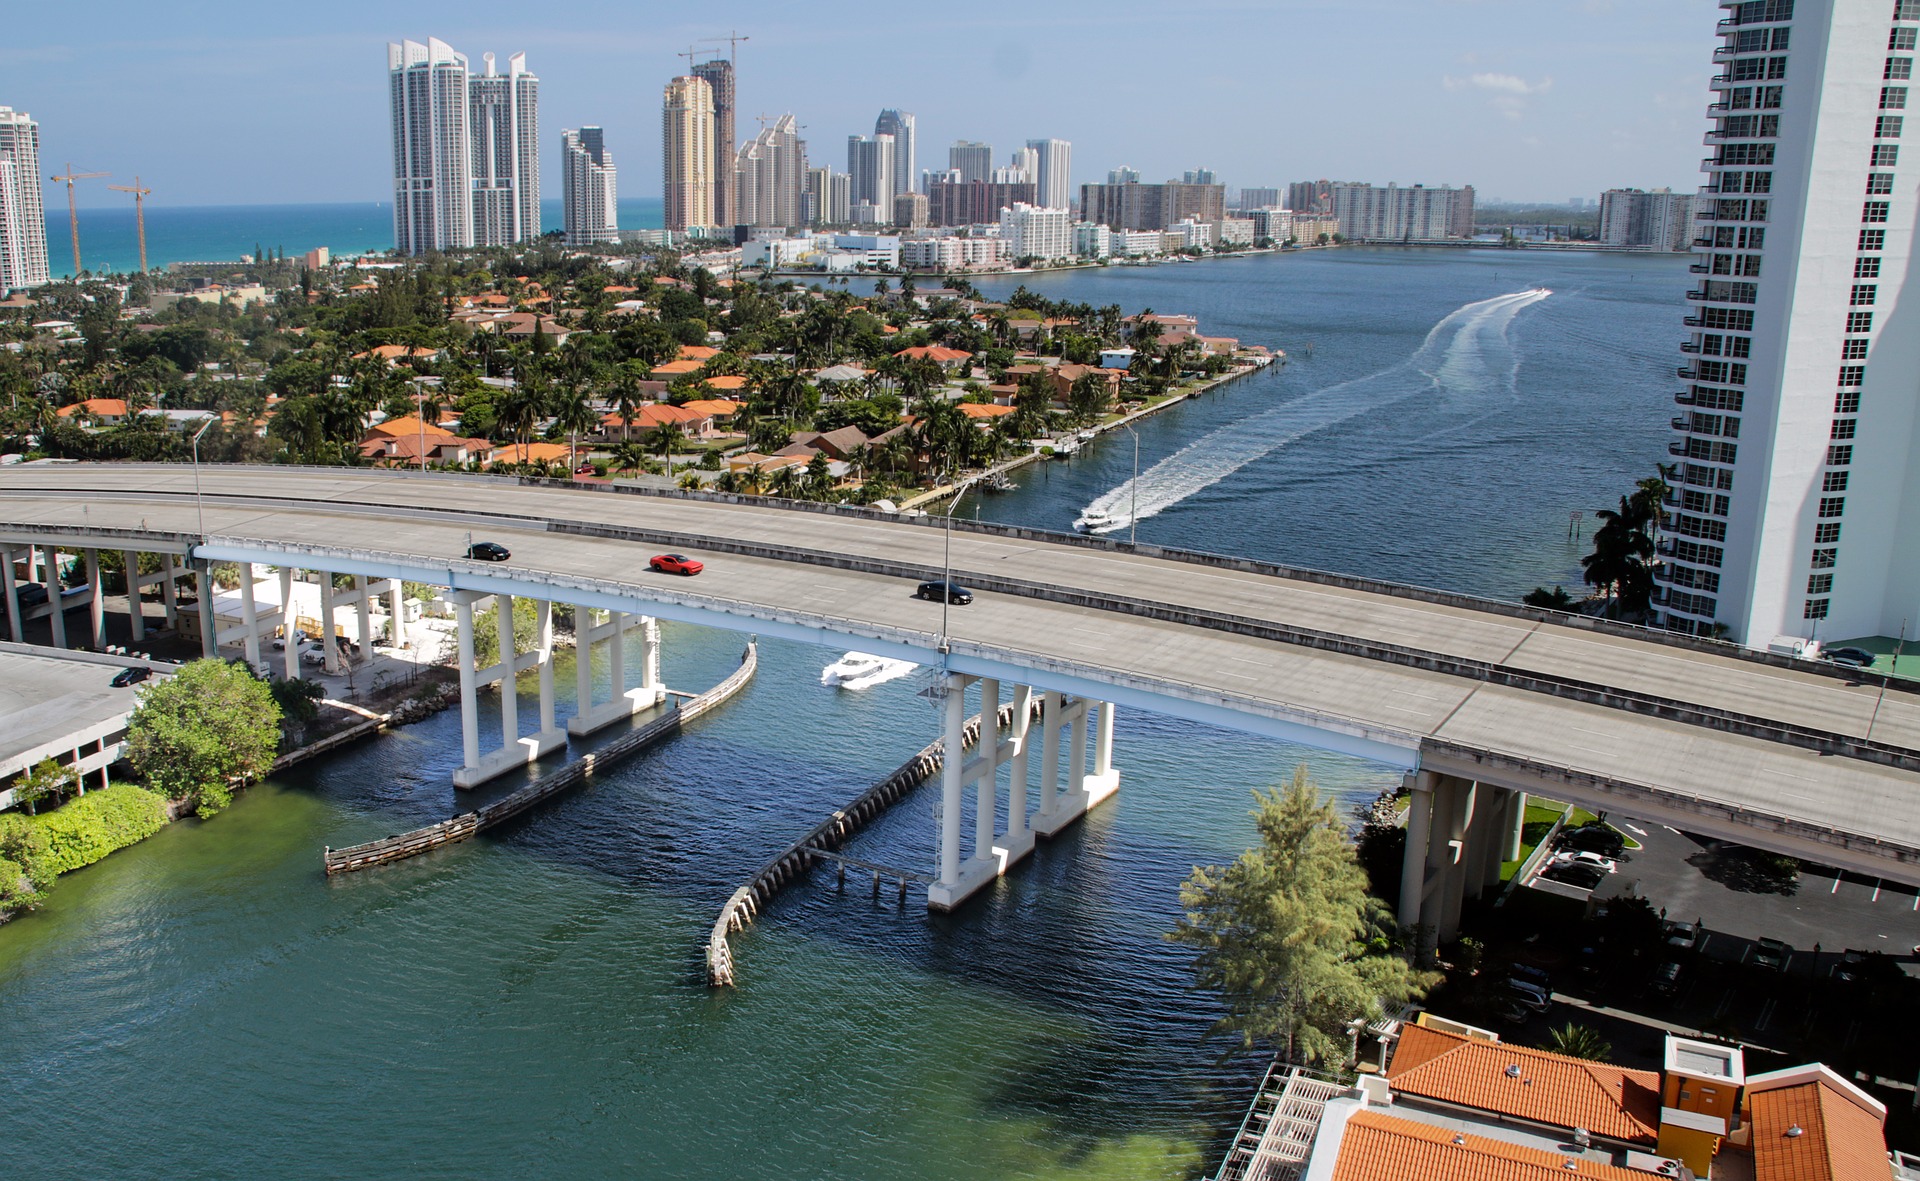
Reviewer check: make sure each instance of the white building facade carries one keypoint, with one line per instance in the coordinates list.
(1092, 240)
(1657, 220)
(870, 169)
(587, 176)
(1053, 169)
(899, 125)
(1797, 500)
(432, 147)
(23, 218)
(1038, 232)
(503, 122)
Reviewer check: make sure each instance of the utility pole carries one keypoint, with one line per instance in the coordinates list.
(139, 219)
(73, 212)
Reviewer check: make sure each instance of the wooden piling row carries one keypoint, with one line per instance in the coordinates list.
(465, 825)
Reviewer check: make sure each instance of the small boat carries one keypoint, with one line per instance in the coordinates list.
(998, 482)
(1094, 520)
(858, 670)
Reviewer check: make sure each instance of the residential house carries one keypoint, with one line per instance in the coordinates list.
(948, 359)
(102, 410)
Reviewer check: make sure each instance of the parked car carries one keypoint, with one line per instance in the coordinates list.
(1772, 953)
(1583, 858)
(1595, 837)
(1583, 876)
(1531, 975)
(954, 593)
(1529, 995)
(130, 676)
(1852, 960)
(586, 469)
(299, 638)
(1851, 657)
(488, 551)
(313, 656)
(1682, 936)
(675, 564)
(1666, 978)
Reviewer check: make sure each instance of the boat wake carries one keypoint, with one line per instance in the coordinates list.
(858, 670)
(1467, 358)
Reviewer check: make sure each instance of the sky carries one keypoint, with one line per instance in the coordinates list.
(221, 103)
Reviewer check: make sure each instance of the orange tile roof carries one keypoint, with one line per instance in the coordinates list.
(718, 407)
(528, 453)
(655, 414)
(675, 368)
(1380, 1147)
(983, 410)
(697, 352)
(934, 352)
(104, 407)
(1839, 1138)
(408, 425)
(1551, 1089)
(726, 382)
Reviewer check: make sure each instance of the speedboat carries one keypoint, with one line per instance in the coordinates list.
(857, 670)
(1096, 520)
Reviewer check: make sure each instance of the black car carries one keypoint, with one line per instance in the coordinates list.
(488, 551)
(1851, 657)
(1581, 876)
(955, 593)
(130, 676)
(1597, 837)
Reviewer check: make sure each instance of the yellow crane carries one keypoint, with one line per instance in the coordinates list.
(139, 220)
(73, 213)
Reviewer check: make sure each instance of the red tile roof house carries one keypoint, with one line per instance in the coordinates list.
(946, 358)
(694, 424)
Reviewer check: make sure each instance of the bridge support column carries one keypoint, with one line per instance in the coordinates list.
(949, 888)
(1083, 788)
(203, 606)
(397, 617)
(1019, 837)
(249, 616)
(588, 629)
(136, 618)
(170, 573)
(363, 611)
(985, 771)
(10, 589)
(1491, 838)
(56, 600)
(1413, 861)
(1452, 817)
(514, 751)
(1516, 826)
(96, 603)
(329, 641)
(290, 653)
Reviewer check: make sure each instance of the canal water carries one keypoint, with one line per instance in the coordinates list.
(206, 1005)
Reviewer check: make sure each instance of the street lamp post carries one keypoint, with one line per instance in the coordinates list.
(198, 500)
(946, 572)
(1133, 514)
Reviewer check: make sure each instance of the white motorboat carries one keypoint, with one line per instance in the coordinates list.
(858, 670)
(1094, 520)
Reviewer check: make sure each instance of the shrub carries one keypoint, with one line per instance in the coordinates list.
(24, 868)
(96, 824)
(196, 732)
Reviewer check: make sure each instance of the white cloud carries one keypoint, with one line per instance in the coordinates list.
(1498, 83)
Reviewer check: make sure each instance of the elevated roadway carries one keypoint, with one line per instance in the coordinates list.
(1790, 756)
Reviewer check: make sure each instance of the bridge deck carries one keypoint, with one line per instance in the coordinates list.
(1707, 777)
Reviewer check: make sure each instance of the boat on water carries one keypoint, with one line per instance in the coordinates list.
(1094, 520)
(998, 482)
(858, 670)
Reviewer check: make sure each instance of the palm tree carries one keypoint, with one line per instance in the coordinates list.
(574, 415)
(664, 438)
(629, 457)
(1580, 1041)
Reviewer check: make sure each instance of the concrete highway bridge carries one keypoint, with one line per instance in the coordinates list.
(1479, 701)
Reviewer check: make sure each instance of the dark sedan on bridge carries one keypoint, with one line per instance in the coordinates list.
(956, 594)
(488, 551)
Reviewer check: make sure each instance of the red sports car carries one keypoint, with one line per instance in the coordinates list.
(675, 564)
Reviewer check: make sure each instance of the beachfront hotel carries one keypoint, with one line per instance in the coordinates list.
(1797, 498)
(23, 222)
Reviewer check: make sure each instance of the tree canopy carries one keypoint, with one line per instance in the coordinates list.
(196, 733)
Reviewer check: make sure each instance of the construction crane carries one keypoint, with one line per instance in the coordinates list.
(139, 219)
(733, 40)
(73, 212)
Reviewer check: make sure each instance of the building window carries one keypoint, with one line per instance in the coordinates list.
(1904, 10)
(1767, 98)
(1847, 402)
(1867, 268)
(1819, 584)
(1817, 608)
(1832, 506)
(1862, 294)
(1902, 38)
(1739, 346)
(1879, 183)
(1843, 427)
(1873, 239)
(1899, 68)
(1853, 349)
(1859, 321)
(1834, 482)
(1826, 534)
(1893, 98)
(1839, 456)
(1887, 127)
(1875, 211)
(1823, 559)
(1852, 375)
(1886, 155)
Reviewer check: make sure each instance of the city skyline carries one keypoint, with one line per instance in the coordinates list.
(1532, 116)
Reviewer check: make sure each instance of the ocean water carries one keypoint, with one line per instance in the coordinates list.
(109, 238)
(531, 1004)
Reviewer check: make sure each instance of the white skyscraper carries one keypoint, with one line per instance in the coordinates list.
(504, 123)
(899, 124)
(770, 174)
(1033, 232)
(587, 178)
(23, 221)
(432, 150)
(1797, 501)
(870, 165)
(1054, 171)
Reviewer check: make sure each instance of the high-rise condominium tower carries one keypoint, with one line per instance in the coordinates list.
(870, 165)
(718, 74)
(1797, 497)
(587, 176)
(432, 148)
(899, 124)
(971, 159)
(504, 123)
(771, 175)
(686, 136)
(1054, 174)
(23, 221)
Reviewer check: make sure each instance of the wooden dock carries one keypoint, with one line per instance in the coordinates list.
(465, 825)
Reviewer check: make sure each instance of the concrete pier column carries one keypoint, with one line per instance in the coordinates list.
(397, 625)
(1492, 838)
(169, 591)
(136, 618)
(1018, 735)
(365, 614)
(509, 700)
(584, 620)
(953, 756)
(329, 642)
(10, 590)
(650, 655)
(1103, 741)
(249, 615)
(290, 655)
(1049, 752)
(203, 606)
(96, 602)
(987, 786)
(469, 713)
(1453, 816)
(56, 603)
(1413, 861)
(617, 652)
(1516, 825)
(1076, 751)
(543, 621)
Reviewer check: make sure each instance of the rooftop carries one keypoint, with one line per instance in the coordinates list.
(1522, 1083)
(1375, 1146)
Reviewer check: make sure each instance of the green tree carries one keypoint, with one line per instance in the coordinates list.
(1579, 1041)
(1288, 937)
(198, 732)
(47, 778)
(25, 868)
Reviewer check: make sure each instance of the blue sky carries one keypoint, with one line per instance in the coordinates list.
(229, 103)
